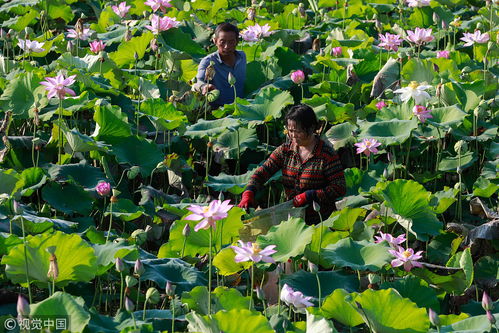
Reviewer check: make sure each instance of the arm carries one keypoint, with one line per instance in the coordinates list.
(202, 86)
(273, 164)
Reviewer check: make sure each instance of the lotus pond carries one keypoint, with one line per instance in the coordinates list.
(110, 164)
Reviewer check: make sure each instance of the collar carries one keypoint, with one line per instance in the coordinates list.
(317, 148)
(219, 59)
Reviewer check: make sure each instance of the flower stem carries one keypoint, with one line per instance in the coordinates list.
(110, 221)
(319, 287)
(138, 292)
(209, 274)
(59, 133)
(173, 314)
(251, 285)
(26, 260)
(301, 86)
(121, 291)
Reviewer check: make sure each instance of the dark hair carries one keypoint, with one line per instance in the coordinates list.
(226, 27)
(304, 116)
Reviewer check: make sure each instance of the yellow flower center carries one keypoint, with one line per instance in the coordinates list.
(206, 209)
(256, 248)
(406, 254)
(413, 84)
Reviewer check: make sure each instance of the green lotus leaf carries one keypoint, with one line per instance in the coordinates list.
(451, 163)
(229, 141)
(463, 260)
(336, 307)
(20, 95)
(389, 132)
(125, 210)
(30, 180)
(290, 238)
(388, 312)
(98, 63)
(82, 143)
(178, 272)
(67, 198)
(454, 283)
(107, 253)
(127, 49)
(229, 322)
(416, 290)
(111, 123)
(410, 202)
(164, 115)
(306, 282)
(477, 324)
(319, 324)
(8, 180)
(486, 267)
(81, 173)
(62, 305)
(223, 298)
(136, 151)
(446, 117)
(210, 128)
(344, 219)
(235, 184)
(341, 135)
(318, 242)
(445, 198)
(176, 39)
(8, 241)
(37, 224)
(400, 112)
(418, 70)
(226, 231)
(485, 188)
(266, 107)
(76, 260)
(446, 320)
(226, 264)
(387, 78)
(362, 256)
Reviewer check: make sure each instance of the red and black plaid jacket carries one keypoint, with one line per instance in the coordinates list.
(320, 176)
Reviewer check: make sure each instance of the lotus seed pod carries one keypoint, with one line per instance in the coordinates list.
(251, 12)
(119, 265)
(433, 316)
(213, 95)
(301, 10)
(209, 74)
(487, 304)
(131, 281)
(129, 306)
(312, 267)
(170, 289)
(152, 295)
(22, 306)
(138, 268)
(316, 45)
(53, 272)
(128, 35)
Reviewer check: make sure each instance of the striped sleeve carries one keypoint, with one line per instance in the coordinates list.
(274, 163)
(336, 186)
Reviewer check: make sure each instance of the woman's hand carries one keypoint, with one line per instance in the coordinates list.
(248, 200)
(300, 200)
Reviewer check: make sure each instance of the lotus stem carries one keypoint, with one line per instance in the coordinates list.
(26, 261)
(103, 211)
(144, 310)
(209, 273)
(183, 247)
(319, 287)
(238, 153)
(59, 133)
(251, 285)
(172, 302)
(110, 220)
(121, 291)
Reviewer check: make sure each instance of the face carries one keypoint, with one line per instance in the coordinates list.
(297, 135)
(226, 42)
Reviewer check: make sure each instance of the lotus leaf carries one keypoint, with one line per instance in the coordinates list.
(126, 50)
(126, 210)
(37, 224)
(306, 282)
(416, 290)
(336, 307)
(63, 305)
(136, 151)
(81, 173)
(107, 253)
(386, 311)
(290, 238)
(210, 128)
(341, 135)
(111, 123)
(67, 198)
(229, 322)
(223, 298)
(164, 114)
(445, 117)
(76, 259)
(463, 260)
(454, 283)
(30, 180)
(319, 324)
(451, 163)
(235, 184)
(226, 264)
(232, 143)
(477, 324)
(362, 255)
(389, 132)
(20, 95)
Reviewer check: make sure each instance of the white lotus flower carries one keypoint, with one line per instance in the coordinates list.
(414, 90)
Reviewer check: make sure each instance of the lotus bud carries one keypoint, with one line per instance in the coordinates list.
(18, 210)
(460, 146)
(260, 294)
(316, 45)
(439, 89)
(390, 157)
(373, 278)
(444, 25)
(491, 317)
(22, 306)
(120, 266)
(436, 18)
(487, 304)
(186, 231)
(295, 12)
(53, 272)
(152, 295)
(129, 306)
(312, 267)
(153, 44)
(221, 196)
(301, 9)
(170, 289)
(251, 13)
(131, 281)
(128, 35)
(103, 188)
(316, 206)
(231, 79)
(138, 268)
(385, 173)
(434, 320)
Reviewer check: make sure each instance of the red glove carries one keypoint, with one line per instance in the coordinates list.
(300, 200)
(247, 200)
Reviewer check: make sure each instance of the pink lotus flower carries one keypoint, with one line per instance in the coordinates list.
(58, 86)
(476, 37)
(159, 24)
(251, 252)
(390, 42)
(422, 113)
(83, 35)
(367, 146)
(337, 51)
(30, 46)
(414, 90)
(380, 105)
(298, 76)
(253, 33)
(158, 4)
(443, 54)
(295, 298)
(210, 214)
(419, 36)
(97, 46)
(418, 3)
(406, 257)
(103, 188)
(390, 239)
(121, 10)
